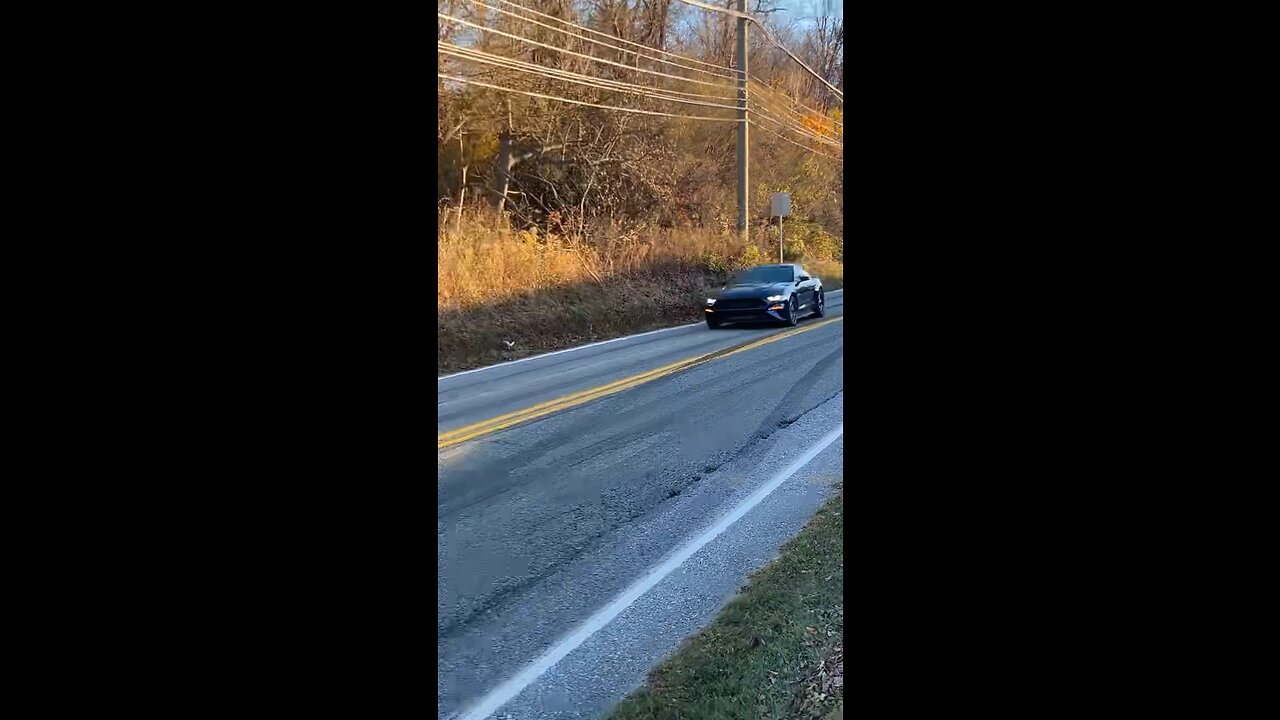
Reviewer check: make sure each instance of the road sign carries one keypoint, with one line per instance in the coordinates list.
(779, 204)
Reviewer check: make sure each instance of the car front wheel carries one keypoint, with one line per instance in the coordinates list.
(793, 312)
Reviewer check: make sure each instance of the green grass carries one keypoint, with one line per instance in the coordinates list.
(775, 651)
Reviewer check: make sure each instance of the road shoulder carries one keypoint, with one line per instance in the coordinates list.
(589, 681)
(775, 651)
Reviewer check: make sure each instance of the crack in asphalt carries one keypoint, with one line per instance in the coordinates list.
(618, 506)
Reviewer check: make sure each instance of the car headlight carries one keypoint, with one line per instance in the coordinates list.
(711, 301)
(775, 298)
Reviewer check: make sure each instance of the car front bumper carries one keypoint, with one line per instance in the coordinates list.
(769, 311)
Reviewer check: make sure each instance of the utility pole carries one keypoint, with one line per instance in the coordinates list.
(779, 239)
(743, 135)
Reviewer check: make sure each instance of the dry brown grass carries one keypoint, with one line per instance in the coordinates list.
(546, 291)
(483, 264)
(831, 272)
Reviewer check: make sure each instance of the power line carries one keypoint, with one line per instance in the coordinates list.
(536, 69)
(651, 49)
(798, 130)
(468, 81)
(783, 48)
(597, 42)
(612, 37)
(508, 63)
(570, 52)
(768, 88)
(793, 142)
(768, 35)
(801, 131)
(761, 84)
(786, 119)
(796, 119)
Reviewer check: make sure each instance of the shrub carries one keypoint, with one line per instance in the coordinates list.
(750, 256)
(792, 249)
(716, 263)
(824, 246)
(811, 241)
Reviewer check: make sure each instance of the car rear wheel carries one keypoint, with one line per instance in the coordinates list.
(821, 305)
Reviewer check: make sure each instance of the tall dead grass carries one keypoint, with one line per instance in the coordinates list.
(481, 263)
(504, 294)
(830, 271)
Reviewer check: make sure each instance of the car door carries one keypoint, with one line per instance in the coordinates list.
(804, 288)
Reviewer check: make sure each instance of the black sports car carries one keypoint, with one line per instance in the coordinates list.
(767, 292)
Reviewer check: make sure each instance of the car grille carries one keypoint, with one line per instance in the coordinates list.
(743, 304)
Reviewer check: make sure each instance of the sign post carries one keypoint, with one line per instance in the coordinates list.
(779, 206)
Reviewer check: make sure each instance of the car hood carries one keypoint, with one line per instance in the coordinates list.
(760, 290)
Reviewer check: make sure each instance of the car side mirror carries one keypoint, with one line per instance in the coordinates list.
(803, 278)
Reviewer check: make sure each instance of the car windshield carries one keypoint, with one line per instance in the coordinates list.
(763, 275)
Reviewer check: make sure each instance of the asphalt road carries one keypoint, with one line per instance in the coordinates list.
(544, 523)
(471, 397)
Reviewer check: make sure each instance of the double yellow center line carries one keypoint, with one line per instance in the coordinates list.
(485, 427)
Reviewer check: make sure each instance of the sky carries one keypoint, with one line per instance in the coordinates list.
(802, 12)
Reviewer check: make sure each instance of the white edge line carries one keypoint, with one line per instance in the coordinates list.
(500, 695)
(580, 347)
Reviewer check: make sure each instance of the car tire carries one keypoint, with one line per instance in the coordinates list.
(713, 323)
(821, 305)
(793, 312)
